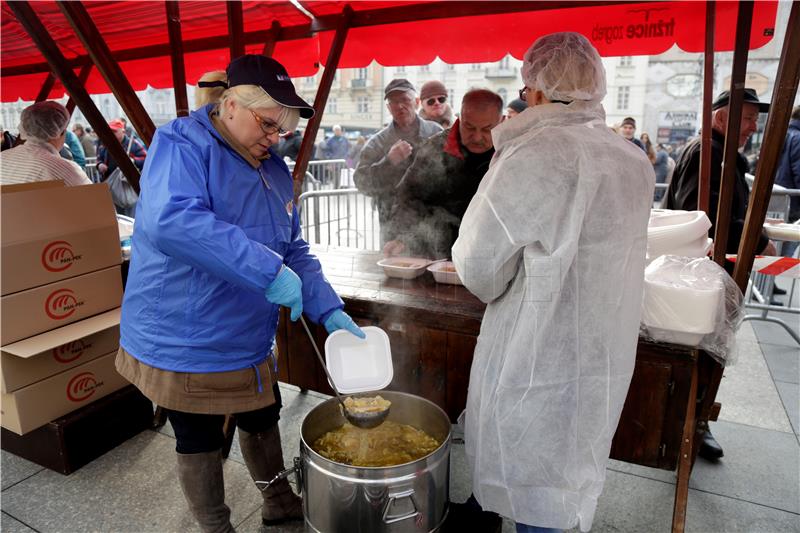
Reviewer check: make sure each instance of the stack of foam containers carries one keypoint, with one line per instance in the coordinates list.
(675, 311)
(683, 233)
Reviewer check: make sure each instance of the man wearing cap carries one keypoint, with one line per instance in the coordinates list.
(433, 96)
(106, 164)
(434, 193)
(515, 107)
(628, 129)
(389, 153)
(682, 192)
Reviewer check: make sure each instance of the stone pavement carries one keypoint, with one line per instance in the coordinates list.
(754, 488)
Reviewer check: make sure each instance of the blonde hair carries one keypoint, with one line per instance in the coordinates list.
(248, 96)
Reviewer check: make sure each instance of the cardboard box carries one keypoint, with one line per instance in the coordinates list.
(34, 311)
(39, 357)
(35, 405)
(53, 233)
(69, 442)
(31, 186)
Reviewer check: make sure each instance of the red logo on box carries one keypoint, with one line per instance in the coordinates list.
(66, 353)
(82, 386)
(58, 256)
(61, 304)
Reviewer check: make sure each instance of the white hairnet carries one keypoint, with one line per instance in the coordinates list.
(565, 66)
(44, 120)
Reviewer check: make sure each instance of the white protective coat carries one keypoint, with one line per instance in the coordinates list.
(554, 241)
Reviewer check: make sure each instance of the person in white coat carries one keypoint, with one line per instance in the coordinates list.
(554, 242)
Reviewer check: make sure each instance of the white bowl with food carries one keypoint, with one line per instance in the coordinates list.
(445, 272)
(403, 267)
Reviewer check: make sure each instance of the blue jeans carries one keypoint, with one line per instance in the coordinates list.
(524, 528)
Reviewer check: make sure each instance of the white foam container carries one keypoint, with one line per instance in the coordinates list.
(783, 232)
(403, 267)
(680, 315)
(359, 365)
(441, 275)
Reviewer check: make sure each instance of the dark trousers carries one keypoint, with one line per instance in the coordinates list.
(197, 433)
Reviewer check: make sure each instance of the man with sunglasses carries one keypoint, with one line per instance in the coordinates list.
(437, 188)
(433, 96)
(388, 153)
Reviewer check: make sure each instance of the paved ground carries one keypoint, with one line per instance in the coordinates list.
(754, 488)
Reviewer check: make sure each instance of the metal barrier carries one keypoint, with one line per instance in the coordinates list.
(761, 287)
(91, 169)
(341, 217)
(325, 174)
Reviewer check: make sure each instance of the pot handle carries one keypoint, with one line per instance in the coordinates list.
(296, 469)
(393, 497)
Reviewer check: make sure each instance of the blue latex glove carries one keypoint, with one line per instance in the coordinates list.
(341, 320)
(287, 290)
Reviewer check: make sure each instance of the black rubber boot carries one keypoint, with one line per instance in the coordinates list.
(470, 516)
(710, 448)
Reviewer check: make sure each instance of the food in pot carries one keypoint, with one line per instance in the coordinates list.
(366, 404)
(389, 444)
(448, 268)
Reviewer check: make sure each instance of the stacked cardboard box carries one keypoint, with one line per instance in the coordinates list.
(61, 292)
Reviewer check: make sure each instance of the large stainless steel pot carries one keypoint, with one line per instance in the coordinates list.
(349, 499)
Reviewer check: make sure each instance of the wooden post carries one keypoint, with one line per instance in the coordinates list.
(704, 184)
(304, 156)
(235, 28)
(272, 39)
(92, 40)
(83, 75)
(176, 57)
(59, 65)
(731, 153)
(47, 86)
(780, 109)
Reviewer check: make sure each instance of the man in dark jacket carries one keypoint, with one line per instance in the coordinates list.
(436, 189)
(136, 150)
(682, 192)
(789, 172)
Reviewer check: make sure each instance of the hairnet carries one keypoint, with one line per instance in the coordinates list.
(565, 66)
(44, 120)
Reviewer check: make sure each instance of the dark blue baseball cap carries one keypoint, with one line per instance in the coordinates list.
(265, 72)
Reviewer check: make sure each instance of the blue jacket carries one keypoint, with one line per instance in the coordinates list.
(209, 238)
(74, 145)
(337, 148)
(789, 166)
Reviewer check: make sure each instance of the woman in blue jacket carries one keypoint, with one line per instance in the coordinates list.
(217, 249)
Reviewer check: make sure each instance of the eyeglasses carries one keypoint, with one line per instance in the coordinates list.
(440, 99)
(523, 94)
(268, 126)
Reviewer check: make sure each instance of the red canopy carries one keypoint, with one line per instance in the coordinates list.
(128, 27)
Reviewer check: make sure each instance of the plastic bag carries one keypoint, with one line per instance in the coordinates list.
(122, 192)
(693, 302)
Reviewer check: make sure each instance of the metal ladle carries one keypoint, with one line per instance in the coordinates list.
(362, 420)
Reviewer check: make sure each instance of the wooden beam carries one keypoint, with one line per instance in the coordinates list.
(780, 109)
(704, 181)
(235, 27)
(272, 40)
(47, 86)
(327, 23)
(92, 40)
(731, 153)
(83, 76)
(176, 57)
(310, 135)
(49, 49)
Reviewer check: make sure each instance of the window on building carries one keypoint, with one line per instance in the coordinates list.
(504, 95)
(400, 70)
(625, 61)
(451, 95)
(425, 68)
(309, 80)
(623, 97)
(362, 104)
(332, 106)
(361, 74)
(450, 67)
(476, 66)
(503, 64)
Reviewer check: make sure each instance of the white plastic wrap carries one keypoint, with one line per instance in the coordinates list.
(693, 302)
